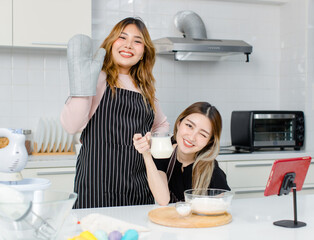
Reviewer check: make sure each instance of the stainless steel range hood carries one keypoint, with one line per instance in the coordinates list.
(194, 45)
(191, 49)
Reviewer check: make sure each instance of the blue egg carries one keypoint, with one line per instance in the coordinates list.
(101, 235)
(115, 235)
(130, 234)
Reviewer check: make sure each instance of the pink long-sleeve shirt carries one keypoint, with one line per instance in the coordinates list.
(77, 111)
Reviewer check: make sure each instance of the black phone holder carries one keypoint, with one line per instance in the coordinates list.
(286, 186)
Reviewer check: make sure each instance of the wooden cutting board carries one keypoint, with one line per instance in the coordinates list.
(169, 217)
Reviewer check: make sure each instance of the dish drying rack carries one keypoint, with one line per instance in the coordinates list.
(51, 139)
(56, 150)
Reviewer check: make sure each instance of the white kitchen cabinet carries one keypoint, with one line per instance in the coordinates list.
(249, 178)
(6, 22)
(248, 173)
(223, 166)
(62, 179)
(309, 179)
(50, 23)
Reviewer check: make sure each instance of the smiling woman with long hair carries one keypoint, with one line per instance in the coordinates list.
(192, 164)
(141, 72)
(109, 171)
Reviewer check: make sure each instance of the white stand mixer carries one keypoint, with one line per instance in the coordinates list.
(21, 193)
(13, 159)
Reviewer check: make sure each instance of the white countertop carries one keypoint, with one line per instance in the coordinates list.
(50, 161)
(263, 155)
(252, 219)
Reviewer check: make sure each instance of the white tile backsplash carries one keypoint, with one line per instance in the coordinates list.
(34, 83)
(5, 59)
(35, 93)
(36, 77)
(19, 93)
(19, 76)
(36, 61)
(20, 59)
(52, 61)
(52, 77)
(6, 110)
(5, 76)
(19, 109)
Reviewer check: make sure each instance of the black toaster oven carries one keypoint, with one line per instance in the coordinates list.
(254, 130)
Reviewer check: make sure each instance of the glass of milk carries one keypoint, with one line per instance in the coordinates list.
(161, 146)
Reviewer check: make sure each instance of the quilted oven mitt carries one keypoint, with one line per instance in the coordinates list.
(83, 68)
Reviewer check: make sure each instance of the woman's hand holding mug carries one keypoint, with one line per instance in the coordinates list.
(142, 144)
(159, 144)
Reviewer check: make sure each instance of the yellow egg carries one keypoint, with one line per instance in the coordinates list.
(88, 235)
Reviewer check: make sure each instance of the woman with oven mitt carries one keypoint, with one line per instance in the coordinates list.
(112, 97)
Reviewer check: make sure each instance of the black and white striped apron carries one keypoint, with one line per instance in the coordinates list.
(109, 170)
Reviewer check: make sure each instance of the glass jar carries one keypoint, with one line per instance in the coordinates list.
(28, 140)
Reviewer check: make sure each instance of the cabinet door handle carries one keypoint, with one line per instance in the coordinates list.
(253, 164)
(249, 191)
(49, 43)
(55, 173)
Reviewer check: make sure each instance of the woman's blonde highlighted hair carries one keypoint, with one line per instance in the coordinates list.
(204, 159)
(141, 72)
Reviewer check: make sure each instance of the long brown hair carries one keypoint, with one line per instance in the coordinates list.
(204, 159)
(141, 72)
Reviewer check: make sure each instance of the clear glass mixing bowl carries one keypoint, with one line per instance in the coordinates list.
(209, 201)
(41, 220)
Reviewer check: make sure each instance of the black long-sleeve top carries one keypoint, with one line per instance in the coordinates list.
(182, 180)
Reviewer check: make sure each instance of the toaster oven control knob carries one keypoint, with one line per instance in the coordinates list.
(300, 129)
(300, 138)
(300, 119)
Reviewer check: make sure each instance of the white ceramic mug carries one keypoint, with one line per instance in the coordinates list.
(161, 146)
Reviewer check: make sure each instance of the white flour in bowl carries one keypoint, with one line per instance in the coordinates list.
(209, 206)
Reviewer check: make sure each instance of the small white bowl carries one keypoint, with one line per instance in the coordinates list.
(184, 209)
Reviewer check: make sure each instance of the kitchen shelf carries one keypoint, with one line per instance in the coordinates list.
(269, 2)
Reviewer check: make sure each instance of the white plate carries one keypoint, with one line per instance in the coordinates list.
(69, 142)
(46, 135)
(63, 139)
(39, 134)
(53, 132)
(58, 134)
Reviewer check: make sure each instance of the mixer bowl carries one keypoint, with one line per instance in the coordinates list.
(40, 220)
(209, 201)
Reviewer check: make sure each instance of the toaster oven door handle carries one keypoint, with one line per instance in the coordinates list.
(274, 116)
(253, 165)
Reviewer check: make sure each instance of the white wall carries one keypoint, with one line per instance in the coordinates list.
(297, 53)
(33, 83)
